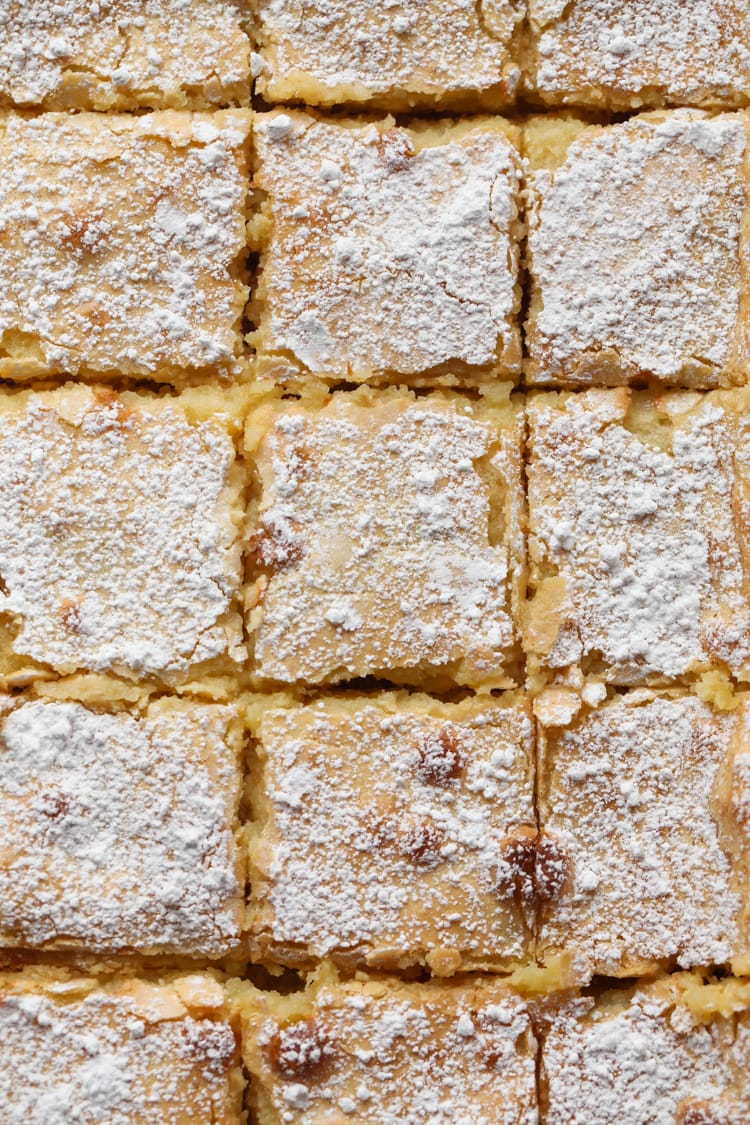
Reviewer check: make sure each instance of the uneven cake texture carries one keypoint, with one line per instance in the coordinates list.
(124, 54)
(638, 509)
(455, 54)
(388, 539)
(643, 1057)
(394, 830)
(640, 796)
(382, 1051)
(637, 253)
(127, 1053)
(119, 545)
(391, 253)
(122, 242)
(628, 53)
(118, 829)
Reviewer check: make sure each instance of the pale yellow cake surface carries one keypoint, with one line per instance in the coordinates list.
(638, 509)
(119, 828)
(621, 54)
(637, 252)
(454, 54)
(393, 830)
(123, 240)
(389, 254)
(645, 799)
(126, 1052)
(124, 54)
(120, 543)
(388, 539)
(383, 1050)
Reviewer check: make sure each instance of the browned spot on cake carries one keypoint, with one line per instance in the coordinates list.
(440, 758)
(534, 869)
(82, 232)
(395, 150)
(700, 1113)
(54, 805)
(274, 548)
(70, 615)
(421, 842)
(301, 1050)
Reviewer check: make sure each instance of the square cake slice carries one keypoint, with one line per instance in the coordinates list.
(120, 519)
(389, 539)
(120, 828)
(387, 254)
(393, 830)
(640, 797)
(382, 1050)
(623, 54)
(122, 244)
(639, 509)
(124, 54)
(447, 54)
(638, 250)
(124, 1052)
(674, 1051)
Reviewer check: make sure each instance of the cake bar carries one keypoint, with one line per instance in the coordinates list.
(124, 54)
(624, 54)
(638, 510)
(119, 828)
(120, 544)
(647, 799)
(393, 830)
(382, 1050)
(448, 54)
(126, 1051)
(122, 242)
(387, 254)
(387, 538)
(638, 250)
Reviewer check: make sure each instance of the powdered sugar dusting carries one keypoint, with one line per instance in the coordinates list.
(383, 259)
(118, 547)
(635, 253)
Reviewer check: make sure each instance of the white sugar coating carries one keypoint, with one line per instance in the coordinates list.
(383, 830)
(394, 1052)
(118, 830)
(384, 257)
(376, 521)
(648, 541)
(118, 544)
(128, 1056)
(635, 253)
(395, 54)
(631, 52)
(642, 1062)
(110, 54)
(121, 242)
(633, 795)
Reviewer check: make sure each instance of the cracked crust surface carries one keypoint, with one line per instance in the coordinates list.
(638, 252)
(119, 535)
(124, 54)
(122, 239)
(124, 1051)
(388, 539)
(451, 54)
(388, 254)
(119, 828)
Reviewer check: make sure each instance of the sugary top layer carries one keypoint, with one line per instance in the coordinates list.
(111, 54)
(635, 246)
(385, 257)
(635, 796)
(374, 526)
(646, 539)
(117, 545)
(696, 52)
(117, 830)
(391, 828)
(646, 1062)
(414, 1054)
(351, 50)
(131, 1055)
(120, 237)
